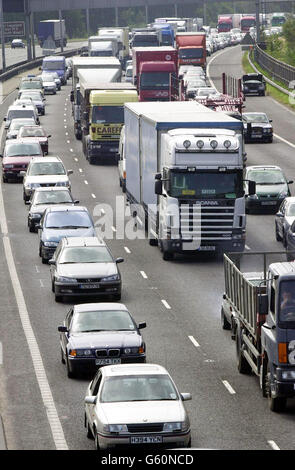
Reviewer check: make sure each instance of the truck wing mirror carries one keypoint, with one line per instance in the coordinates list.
(72, 96)
(251, 188)
(158, 187)
(263, 304)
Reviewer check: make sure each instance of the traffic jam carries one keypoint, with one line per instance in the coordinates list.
(141, 99)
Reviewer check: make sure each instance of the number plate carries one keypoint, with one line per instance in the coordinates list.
(268, 203)
(113, 150)
(207, 248)
(146, 439)
(89, 286)
(106, 362)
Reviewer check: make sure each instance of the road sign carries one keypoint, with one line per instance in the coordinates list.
(14, 29)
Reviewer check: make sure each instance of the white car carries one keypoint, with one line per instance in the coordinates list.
(44, 172)
(205, 92)
(129, 74)
(136, 404)
(49, 84)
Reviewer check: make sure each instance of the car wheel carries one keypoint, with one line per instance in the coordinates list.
(89, 432)
(32, 228)
(58, 298)
(52, 286)
(70, 373)
(278, 236)
(62, 356)
(44, 260)
(224, 322)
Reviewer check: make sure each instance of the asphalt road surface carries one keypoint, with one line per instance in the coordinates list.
(179, 300)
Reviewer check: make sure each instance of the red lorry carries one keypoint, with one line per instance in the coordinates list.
(191, 49)
(225, 24)
(155, 73)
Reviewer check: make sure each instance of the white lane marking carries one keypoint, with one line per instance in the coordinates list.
(41, 283)
(228, 387)
(113, 229)
(284, 140)
(194, 341)
(52, 415)
(102, 211)
(247, 247)
(127, 250)
(76, 159)
(65, 127)
(80, 169)
(85, 181)
(165, 303)
(71, 150)
(37, 269)
(143, 274)
(67, 133)
(93, 195)
(273, 445)
(68, 141)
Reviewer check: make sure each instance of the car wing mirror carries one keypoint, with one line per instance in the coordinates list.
(70, 172)
(90, 400)
(76, 201)
(119, 260)
(186, 396)
(62, 329)
(48, 136)
(141, 325)
(52, 262)
(290, 182)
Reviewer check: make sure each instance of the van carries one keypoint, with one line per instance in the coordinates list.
(21, 111)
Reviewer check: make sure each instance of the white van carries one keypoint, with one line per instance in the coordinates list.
(122, 161)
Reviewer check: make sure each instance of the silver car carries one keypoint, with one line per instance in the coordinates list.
(136, 404)
(284, 219)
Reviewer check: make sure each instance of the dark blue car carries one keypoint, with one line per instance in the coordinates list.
(62, 221)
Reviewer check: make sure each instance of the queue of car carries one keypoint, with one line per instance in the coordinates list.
(95, 337)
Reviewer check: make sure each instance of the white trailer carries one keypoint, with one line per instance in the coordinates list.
(178, 157)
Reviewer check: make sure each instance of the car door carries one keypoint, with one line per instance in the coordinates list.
(65, 336)
(55, 258)
(93, 389)
(280, 218)
(290, 238)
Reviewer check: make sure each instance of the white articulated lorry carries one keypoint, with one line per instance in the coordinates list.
(184, 174)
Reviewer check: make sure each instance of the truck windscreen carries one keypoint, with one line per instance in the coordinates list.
(53, 65)
(107, 115)
(287, 302)
(152, 80)
(100, 53)
(205, 185)
(191, 53)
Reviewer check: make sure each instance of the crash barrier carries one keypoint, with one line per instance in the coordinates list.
(279, 71)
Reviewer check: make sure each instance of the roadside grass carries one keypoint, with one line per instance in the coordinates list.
(270, 90)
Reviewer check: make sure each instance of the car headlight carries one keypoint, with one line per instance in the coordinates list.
(114, 277)
(83, 352)
(139, 350)
(35, 215)
(50, 244)
(283, 193)
(174, 427)
(118, 428)
(65, 279)
(288, 374)
(62, 183)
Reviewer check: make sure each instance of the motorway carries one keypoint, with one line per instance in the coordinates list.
(179, 300)
(13, 56)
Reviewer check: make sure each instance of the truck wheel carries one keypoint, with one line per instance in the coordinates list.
(224, 322)
(243, 365)
(276, 404)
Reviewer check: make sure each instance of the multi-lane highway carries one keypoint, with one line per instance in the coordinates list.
(179, 300)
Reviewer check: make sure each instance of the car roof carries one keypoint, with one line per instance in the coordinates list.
(46, 159)
(25, 106)
(52, 188)
(22, 141)
(133, 369)
(263, 167)
(83, 241)
(66, 208)
(100, 306)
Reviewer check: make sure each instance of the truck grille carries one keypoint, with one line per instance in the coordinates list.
(206, 222)
(146, 427)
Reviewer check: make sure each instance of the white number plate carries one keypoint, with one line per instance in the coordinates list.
(106, 362)
(89, 286)
(146, 440)
(207, 248)
(268, 203)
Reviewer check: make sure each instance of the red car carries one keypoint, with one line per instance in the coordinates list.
(16, 157)
(35, 133)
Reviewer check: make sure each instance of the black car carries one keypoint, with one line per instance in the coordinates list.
(253, 84)
(257, 127)
(99, 334)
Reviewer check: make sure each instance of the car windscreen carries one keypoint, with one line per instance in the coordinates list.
(46, 168)
(257, 118)
(51, 197)
(85, 254)
(107, 114)
(22, 149)
(32, 132)
(138, 388)
(266, 176)
(15, 125)
(68, 219)
(53, 65)
(31, 85)
(100, 320)
(20, 113)
(33, 96)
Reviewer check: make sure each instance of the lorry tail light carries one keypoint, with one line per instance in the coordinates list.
(283, 356)
(124, 175)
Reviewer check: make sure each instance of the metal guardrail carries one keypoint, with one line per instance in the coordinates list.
(15, 69)
(278, 70)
